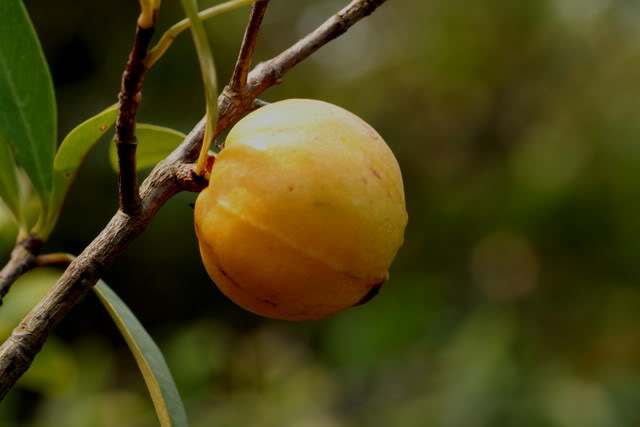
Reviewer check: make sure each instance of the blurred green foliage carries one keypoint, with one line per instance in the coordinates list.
(514, 299)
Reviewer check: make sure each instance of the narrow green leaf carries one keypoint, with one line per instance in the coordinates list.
(154, 144)
(207, 67)
(82, 138)
(162, 387)
(74, 148)
(9, 188)
(27, 102)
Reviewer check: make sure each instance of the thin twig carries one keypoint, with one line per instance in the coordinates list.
(126, 141)
(271, 72)
(172, 175)
(23, 259)
(243, 64)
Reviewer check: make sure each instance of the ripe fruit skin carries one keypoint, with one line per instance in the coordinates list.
(304, 212)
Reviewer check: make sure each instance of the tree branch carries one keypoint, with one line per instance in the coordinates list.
(243, 64)
(126, 141)
(271, 72)
(23, 259)
(169, 178)
(172, 175)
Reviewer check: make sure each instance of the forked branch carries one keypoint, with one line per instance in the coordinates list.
(172, 175)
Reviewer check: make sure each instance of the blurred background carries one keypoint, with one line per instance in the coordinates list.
(515, 299)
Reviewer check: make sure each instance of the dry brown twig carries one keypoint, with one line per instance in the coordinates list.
(240, 74)
(129, 100)
(171, 176)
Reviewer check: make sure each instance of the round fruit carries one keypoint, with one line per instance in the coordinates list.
(304, 211)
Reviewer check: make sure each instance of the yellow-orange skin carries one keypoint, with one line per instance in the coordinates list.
(304, 212)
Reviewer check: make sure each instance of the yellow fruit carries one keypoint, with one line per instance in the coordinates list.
(304, 212)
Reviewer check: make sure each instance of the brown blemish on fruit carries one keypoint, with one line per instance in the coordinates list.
(225, 274)
(371, 294)
(268, 301)
(361, 172)
(103, 128)
(236, 284)
(371, 131)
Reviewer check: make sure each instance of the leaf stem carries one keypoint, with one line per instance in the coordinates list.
(174, 31)
(148, 13)
(23, 258)
(209, 78)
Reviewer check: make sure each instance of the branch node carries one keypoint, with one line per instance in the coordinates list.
(129, 98)
(23, 342)
(188, 180)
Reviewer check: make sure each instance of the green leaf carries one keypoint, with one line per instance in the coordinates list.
(207, 66)
(72, 151)
(162, 388)
(27, 102)
(9, 188)
(154, 144)
(82, 138)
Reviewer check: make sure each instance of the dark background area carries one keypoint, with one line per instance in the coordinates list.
(514, 301)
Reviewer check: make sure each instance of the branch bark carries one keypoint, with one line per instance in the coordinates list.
(126, 141)
(169, 178)
(172, 175)
(243, 64)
